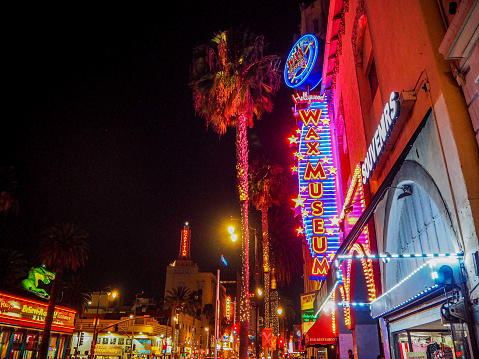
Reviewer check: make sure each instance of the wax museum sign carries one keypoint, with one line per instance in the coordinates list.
(317, 173)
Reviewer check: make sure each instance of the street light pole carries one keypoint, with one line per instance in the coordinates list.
(95, 334)
(133, 324)
(217, 312)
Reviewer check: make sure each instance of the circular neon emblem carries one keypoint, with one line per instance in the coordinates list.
(303, 66)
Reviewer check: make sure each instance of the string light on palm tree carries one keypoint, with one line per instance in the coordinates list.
(233, 82)
(267, 187)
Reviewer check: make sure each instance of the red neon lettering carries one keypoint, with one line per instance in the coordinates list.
(312, 135)
(315, 189)
(318, 225)
(313, 149)
(316, 172)
(320, 267)
(319, 244)
(317, 208)
(309, 115)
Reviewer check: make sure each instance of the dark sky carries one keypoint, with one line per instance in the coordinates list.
(99, 123)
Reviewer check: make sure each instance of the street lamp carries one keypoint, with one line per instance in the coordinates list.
(245, 288)
(95, 333)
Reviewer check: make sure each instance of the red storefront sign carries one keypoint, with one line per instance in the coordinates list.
(31, 313)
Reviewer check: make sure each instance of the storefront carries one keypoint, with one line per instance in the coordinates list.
(22, 318)
(321, 340)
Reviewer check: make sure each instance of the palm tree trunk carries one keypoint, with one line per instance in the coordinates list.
(243, 189)
(43, 352)
(266, 265)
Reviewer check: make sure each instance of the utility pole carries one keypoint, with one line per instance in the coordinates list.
(217, 312)
(133, 324)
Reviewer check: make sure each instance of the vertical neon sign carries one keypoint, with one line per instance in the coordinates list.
(316, 201)
(185, 242)
(228, 307)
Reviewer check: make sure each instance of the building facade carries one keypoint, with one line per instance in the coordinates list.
(401, 82)
(22, 319)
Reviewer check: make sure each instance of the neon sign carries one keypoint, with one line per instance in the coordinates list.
(23, 311)
(303, 66)
(316, 201)
(378, 143)
(185, 242)
(228, 307)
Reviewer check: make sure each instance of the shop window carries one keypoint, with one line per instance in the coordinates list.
(17, 338)
(431, 343)
(105, 340)
(121, 341)
(112, 340)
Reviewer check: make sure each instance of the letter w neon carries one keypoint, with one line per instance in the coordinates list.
(309, 115)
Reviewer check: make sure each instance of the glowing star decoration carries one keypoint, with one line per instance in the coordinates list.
(299, 231)
(294, 170)
(299, 201)
(332, 171)
(293, 140)
(335, 221)
(317, 186)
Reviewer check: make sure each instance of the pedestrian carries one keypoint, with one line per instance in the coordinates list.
(350, 354)
(380, 356)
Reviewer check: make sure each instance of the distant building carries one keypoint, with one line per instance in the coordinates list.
(194, 333)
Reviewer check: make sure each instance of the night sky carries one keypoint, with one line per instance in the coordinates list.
(99, 123)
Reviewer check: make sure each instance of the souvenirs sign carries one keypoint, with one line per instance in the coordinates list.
(303, 68)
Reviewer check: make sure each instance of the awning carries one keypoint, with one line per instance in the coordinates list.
(321, 333)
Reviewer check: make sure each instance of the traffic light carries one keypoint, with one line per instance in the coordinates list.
(82, 335)
(235, 329)
(134, 346)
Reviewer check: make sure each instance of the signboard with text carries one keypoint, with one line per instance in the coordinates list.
(317, 177)
(31, 313)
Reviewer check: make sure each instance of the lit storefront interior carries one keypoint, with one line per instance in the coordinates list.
(22, 318)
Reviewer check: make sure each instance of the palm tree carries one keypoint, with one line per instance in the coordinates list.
(209, 313)
(63, 247)
(75, 293)
(8, 187)
(268, 186)
(286, 247)
(178, 300)
(13, 266)
(232, 83)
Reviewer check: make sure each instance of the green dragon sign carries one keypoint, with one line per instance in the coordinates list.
(34, 275)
